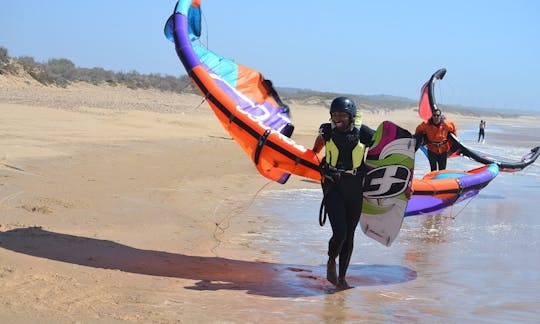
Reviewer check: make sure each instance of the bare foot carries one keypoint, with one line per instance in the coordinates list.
(342, 284)
(331, 274)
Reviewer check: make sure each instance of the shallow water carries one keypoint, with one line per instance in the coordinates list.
(476, 261)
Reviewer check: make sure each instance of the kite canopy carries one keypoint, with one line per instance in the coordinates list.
(246, 104)
(427, 103)
(440, 189)
(505, 166)
(251, 111)
(426, 107)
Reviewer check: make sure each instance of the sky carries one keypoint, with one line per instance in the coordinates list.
(490, 48)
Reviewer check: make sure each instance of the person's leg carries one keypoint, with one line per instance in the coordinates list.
(352, 191)
(347, 250)
(335, 207)
(432, 157)
(442, 158)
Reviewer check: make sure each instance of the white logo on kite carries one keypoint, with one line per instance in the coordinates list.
(386, 181)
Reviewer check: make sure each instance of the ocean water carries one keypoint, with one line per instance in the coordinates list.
(478, 261)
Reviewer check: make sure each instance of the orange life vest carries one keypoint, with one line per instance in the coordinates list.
(437, 134)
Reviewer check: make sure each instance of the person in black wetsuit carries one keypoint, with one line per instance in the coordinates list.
(481, 129)
(345, 141)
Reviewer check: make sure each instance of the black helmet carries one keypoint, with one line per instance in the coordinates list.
(343, 104)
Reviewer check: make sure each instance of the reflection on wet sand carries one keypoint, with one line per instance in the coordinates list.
(433, 229)
(335, 308)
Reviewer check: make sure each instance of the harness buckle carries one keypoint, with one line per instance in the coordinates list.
(351, 172)
(439, 144)
(335, 174)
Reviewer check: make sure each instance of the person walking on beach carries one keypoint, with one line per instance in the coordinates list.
(481, 129)
(434, 134)
(343, 172)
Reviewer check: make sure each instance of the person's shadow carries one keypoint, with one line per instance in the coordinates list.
(211, 273)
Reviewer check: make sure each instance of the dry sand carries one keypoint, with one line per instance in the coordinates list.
(121, 205)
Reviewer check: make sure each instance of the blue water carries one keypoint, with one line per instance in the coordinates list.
(478, 261)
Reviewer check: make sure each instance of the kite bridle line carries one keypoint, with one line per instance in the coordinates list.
(227, 218)
(459, 212)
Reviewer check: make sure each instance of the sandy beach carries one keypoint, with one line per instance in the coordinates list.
(120, 205)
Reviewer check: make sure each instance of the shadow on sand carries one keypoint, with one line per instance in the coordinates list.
(211, 273)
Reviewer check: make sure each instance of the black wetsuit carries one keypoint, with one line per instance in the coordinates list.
(481, 130)
(343, 194)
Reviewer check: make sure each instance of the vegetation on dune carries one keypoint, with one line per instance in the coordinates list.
(63, 72)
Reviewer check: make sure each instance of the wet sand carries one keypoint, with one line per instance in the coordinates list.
(477, 261)
(135, 206)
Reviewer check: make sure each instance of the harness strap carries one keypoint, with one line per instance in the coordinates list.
(322, 210)
(322, 213)
(333, 171)
(260, 144)
(438, 144)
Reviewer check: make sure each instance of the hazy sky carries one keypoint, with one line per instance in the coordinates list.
(491, 48)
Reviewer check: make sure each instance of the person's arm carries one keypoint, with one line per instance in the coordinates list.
(420, 129)
(453, 129)
(319, 143)
(320, 140)
(420, 136)
(420, 139)
(366, 135)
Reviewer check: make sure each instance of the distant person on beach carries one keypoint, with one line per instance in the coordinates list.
(345, 141)
(434, 134)
(481, 129)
